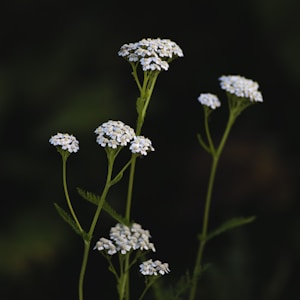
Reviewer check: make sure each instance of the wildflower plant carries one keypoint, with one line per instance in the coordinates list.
(241, 93)
(147, 57)
(128, 245)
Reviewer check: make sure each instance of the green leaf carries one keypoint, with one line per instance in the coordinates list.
(95, 199)
(67, 218)
(175, 291)
(91, 197)
(115, 215)
(228, 225)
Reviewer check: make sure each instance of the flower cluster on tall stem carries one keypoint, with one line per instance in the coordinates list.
(241, 93)
(113, 136)
(128, 241)
(153, 56)
(135, 240)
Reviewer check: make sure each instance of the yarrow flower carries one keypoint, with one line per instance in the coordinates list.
(156, 267)
(241, 87)
(124, 239)
(152, 54)
(141, 145)
(65, 141)
(209, 100)
(113, 134)
(106, 244)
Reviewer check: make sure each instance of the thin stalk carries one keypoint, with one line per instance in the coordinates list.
(83, 268)
(124, 290)
(64, 159)
(202, 243)
(104, 194)
(146, 289)
(215, 155)
(146, 91)
(87, 243)
(130, 187)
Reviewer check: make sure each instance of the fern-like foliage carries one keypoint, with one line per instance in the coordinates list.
(228, 225)
(175, 291)
(68, 219)
(95, 199)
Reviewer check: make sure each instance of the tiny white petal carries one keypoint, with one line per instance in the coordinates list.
(141, 145)
(156, 267)
(209, 100)
(153, 54)
(241, 87)
(65, 141)
(113, 134)
(124, 239)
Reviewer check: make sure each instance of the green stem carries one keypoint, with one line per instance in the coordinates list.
(145, 94)
(124, 283)
(64, 159)
(135, 75)
(215, 155)
(146, 91)
(229, 125)
(120, 174)
(149, 284)
(87, 243)
(130, 187)
(197, 268)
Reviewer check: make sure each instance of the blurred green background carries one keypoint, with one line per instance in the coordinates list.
(59, 71)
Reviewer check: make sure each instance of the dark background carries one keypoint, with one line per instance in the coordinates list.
(59, 71)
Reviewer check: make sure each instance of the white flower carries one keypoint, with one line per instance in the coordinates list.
(134, 237)
(241, 87)
(113, 134)
(156, 267)
(209, 100)
(65, 141)
(154, 63)
(124, 239)
(105, 244)
(153, 54)
(141, 145)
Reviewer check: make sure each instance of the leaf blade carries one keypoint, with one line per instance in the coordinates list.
(68, 219)
(229, 225)
(95, 199)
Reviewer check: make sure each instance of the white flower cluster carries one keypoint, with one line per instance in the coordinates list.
(65, 141)
(153, 54)
(156, 267)
(141, 145)
(241, 87)
(124, 239)
(209, 100)
(115, 133)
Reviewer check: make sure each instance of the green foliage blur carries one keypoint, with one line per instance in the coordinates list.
(59, 71)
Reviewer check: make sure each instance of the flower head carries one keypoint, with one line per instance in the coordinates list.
(113, 134)
(209, 100)
(156, 267)
(152, 54)
(141, 145)
(105, 244)
(124, 239)
(241, 87)
(65, 141)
